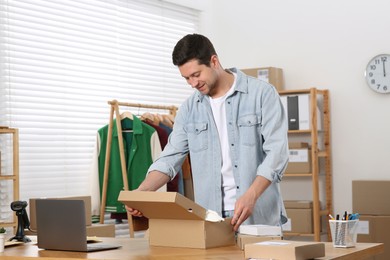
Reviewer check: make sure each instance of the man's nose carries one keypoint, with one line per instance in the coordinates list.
(193, 82)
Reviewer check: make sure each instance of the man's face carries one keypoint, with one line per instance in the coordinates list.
(201, 77)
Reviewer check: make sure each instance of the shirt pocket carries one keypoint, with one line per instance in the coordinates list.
(197, 136)
(249, 127)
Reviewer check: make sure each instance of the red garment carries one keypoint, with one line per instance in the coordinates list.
(173, 185)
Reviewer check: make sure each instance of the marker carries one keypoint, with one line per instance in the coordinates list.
(331, 217)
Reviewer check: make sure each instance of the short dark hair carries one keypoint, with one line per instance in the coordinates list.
(193, 46)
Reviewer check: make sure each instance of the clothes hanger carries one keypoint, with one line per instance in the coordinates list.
(157, 118)
(167, 120)
(147, 115)
(127, 114)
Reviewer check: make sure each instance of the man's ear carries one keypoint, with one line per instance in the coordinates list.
(214, 61)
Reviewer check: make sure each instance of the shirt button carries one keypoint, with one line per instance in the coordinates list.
(236, 165)
(232, 144)
(238, 187)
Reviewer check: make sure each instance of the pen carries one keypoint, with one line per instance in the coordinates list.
(331, 217)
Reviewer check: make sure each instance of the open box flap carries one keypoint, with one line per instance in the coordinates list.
(163, 205)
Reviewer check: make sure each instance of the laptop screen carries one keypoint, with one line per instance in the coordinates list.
(61, 224)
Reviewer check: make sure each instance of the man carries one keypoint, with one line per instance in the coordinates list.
(235, 129)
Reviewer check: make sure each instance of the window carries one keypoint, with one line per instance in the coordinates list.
(61, 61)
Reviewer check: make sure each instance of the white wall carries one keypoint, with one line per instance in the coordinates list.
(323, 44)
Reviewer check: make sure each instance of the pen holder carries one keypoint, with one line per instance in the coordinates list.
(344, 232)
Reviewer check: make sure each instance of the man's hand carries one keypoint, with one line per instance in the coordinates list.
(243, 208)
(153, 181)
(245, 204)
(134, 212)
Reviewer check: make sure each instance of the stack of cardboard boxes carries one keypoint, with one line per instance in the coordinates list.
(300, 216)
(370, 198)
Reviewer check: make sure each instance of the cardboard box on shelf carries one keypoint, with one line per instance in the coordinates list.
(370, 197)
(242, 239)
(375, 229)
(87, 204)
(269, 74)
(300, 215)
(285, 250)
(299, 158)
(181, 218)
(298, 204)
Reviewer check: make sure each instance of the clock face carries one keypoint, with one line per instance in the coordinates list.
(378, 73)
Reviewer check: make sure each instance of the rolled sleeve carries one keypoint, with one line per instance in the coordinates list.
(274, 132)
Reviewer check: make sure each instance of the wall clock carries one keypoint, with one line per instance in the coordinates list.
(377, 73)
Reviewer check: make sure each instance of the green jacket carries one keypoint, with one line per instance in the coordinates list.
(141, 147)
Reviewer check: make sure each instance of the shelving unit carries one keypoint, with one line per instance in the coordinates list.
(14, 174)
(320, 150)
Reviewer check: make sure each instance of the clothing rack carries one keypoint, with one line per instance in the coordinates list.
(115, 108)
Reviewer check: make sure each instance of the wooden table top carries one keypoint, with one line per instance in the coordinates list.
(139, 249)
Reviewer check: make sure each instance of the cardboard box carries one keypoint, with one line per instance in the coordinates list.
(300, 214)
(299, 158)
(176, 221)
(101, 230)
(375, 229)
(301, 220)
(87, 203)
(98, 230)
(298, 204)
(242, 239)
(285, 250)
(370, 197)
(269, 74)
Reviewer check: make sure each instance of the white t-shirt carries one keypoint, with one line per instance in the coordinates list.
(228, 183)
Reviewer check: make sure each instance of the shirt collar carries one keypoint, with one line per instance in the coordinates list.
(240, 86)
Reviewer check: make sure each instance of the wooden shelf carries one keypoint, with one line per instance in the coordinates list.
(14, 176)
(8, 224)
(313, 133)
(8, 177)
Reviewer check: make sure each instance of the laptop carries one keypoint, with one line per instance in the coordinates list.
(61, 226)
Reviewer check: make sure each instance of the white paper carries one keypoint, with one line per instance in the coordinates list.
(213, 216)
(298, 155)
(271, 243)
(263, 75)
(363, 227)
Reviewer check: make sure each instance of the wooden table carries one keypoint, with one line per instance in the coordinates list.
(139, 249)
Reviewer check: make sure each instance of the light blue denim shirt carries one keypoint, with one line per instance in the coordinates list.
(257, 133)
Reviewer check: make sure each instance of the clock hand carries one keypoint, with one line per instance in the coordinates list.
(384, 68)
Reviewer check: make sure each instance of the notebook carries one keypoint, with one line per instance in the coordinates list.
(61, 226)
